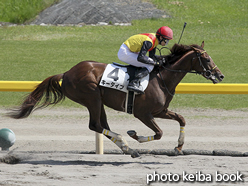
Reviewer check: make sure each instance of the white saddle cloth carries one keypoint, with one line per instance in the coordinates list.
(116, 77)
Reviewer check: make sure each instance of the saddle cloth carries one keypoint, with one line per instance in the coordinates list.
(118, 76)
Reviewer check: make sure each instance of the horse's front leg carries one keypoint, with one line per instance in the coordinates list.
(141, 139)
(149, 121)
(166, 114)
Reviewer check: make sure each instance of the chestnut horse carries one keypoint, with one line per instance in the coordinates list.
(81, 84)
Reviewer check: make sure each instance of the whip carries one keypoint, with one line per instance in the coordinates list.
(182, 31)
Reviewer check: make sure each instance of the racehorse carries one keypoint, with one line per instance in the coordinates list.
(81, 84)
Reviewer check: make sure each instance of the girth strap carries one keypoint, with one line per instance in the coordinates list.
(129, 102)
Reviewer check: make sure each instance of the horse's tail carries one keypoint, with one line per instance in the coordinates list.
(47, 93)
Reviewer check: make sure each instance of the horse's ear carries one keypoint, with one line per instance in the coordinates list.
(202, 45)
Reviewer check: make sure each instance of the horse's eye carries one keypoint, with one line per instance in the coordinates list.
(208, 60)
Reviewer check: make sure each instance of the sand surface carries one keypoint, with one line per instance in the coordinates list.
(52, 145)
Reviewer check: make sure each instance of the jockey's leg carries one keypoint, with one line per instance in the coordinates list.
(129, 57)
(126, 56)
(134, 85)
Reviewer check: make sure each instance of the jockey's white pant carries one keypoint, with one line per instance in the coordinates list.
(129, 57)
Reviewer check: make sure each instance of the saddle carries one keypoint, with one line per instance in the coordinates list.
(117, 76)
(130, 70)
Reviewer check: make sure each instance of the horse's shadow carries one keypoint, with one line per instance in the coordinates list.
(88, 163)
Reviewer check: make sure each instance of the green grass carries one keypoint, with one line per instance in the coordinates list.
(19, 11)
(36, 52)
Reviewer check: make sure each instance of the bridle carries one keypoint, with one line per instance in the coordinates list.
(206, 72)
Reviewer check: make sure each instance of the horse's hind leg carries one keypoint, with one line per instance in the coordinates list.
(98, 118)
(114, 137)
(166, 114)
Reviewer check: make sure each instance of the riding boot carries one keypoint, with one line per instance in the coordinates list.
(134, 85)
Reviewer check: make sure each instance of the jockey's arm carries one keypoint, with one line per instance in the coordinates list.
(142, 54)
(153, 56)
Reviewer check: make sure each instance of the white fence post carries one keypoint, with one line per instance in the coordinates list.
(99, 143)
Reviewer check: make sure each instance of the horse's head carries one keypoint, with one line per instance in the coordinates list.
(205, 65)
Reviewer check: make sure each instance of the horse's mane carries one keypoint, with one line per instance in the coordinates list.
(177, 51)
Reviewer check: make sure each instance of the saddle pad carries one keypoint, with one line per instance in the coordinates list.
(117, 77)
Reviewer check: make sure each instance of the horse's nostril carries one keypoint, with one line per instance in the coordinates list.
(222, 76)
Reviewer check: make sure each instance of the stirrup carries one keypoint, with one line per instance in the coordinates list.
(135, 89)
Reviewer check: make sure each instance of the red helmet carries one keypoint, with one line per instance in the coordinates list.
(165, 32)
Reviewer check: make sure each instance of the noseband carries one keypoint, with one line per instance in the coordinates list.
(206, 73)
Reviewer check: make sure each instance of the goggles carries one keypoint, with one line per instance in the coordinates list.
(165, 40)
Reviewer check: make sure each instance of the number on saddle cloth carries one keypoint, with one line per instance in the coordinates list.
(117, 76)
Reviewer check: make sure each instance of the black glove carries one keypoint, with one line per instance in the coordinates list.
(158, 63)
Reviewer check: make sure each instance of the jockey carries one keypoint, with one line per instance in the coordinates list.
(133, 51)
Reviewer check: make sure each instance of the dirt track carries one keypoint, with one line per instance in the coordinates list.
(50, 144)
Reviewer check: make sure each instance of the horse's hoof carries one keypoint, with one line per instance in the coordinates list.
(178, 151)
(135, 154)
(131, 133)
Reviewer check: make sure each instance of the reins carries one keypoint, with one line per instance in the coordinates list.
(190, 71)
(171, 94)
(207, 73)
